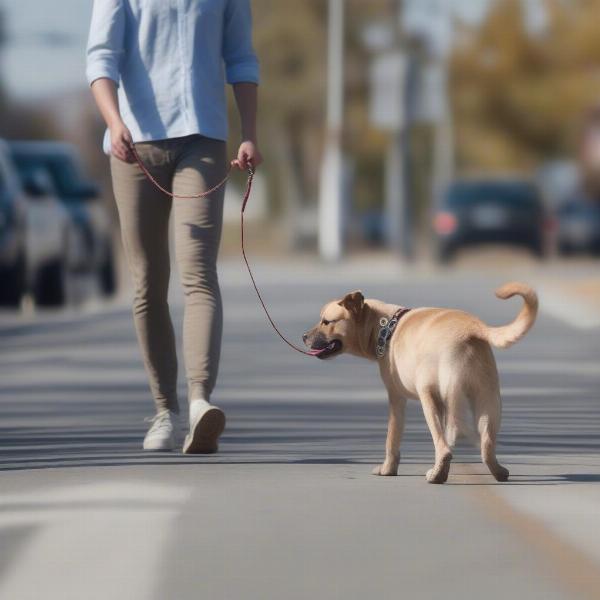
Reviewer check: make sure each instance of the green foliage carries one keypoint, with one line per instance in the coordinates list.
(291, 41)
(518, 97)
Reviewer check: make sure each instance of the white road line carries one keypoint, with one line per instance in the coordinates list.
(571, 311)
(95, 541)
(557, 367)
(568, 511)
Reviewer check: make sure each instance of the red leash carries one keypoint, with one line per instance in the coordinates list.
(168, 193)
(244, 202)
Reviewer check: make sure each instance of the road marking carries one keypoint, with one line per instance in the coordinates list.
(544, 392)
(558, 367)
(575, 568)
(93, 541)
(569, 310)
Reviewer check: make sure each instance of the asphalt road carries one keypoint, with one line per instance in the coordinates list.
(288, 508)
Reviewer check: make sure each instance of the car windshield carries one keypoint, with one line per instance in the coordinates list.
(465, 194)
(579, 206)
(63, 169)
(2, 188)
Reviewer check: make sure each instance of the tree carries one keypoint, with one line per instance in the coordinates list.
(518, 97)
(290, 40)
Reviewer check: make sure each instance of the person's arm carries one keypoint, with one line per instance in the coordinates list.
(241, 67)
(246, 98)
(104, 51)
(105, 95)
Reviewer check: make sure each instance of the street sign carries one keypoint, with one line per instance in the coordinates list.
(431, 105)
(386, 105)
(430, 21)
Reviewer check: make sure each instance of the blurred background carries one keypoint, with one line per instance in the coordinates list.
(425, 130)
(424, 151)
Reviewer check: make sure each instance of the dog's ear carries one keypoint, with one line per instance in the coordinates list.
(353, 302)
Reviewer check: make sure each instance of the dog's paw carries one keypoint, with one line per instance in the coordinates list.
(439, 473)
(435, 476)
(386, 470)
(501, 474)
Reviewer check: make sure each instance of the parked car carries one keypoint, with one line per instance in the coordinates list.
(35, 229)
(81, 198)
(490, 210)
(579, 226)
(12, 233)
(557, 181)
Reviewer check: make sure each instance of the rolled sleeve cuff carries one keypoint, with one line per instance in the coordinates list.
(243, 72)
(102, 68)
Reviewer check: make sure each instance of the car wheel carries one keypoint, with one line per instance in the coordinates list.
(538, 250)
(565, 249)
(445, 254)
(12, 283)
(50, 284)
(107, 273)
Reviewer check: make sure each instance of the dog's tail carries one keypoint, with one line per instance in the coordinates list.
(503, 337)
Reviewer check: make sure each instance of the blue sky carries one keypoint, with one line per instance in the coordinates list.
(45, 54)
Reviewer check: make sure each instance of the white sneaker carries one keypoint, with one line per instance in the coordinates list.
(164, 433)
(207, 423)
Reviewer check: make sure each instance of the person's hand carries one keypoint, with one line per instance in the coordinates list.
(248, 156)
(121, 142)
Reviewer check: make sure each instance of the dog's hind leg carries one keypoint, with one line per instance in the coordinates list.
(488, 423)
(434, 417)
(394, 435)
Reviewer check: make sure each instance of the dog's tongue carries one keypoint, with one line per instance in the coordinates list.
(316, 352)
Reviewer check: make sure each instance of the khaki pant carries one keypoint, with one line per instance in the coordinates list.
(185, 166)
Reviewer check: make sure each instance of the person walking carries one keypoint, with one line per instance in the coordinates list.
(157, 70)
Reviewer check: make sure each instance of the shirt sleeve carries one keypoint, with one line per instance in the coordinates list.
(241, 64)
(105, 42)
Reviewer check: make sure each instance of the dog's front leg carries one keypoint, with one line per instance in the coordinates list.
(394, 436)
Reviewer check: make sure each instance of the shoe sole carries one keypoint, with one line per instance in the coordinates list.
(204, 434)
(171, 446)
(158, 449)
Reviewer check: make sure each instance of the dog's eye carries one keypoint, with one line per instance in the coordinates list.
(325, 322)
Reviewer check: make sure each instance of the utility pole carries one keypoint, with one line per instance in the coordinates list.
(331, 189)
(394, 90)
(427, 28)
(443, 148)
(406, 154)
(388, 112)
(443, 143)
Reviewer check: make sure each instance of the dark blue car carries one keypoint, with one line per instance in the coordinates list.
(579, 226)
(498, 211)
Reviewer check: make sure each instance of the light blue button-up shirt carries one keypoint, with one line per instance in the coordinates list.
(170, 59)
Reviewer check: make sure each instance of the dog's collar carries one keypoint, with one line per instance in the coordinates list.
(386, 330)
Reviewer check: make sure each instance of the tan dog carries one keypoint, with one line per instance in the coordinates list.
(439, 356)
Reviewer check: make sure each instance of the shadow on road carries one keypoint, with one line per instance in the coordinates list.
(73, 394)
(534, 480)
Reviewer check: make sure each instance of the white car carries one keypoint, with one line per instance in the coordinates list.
(35, 238)
(92, 238)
